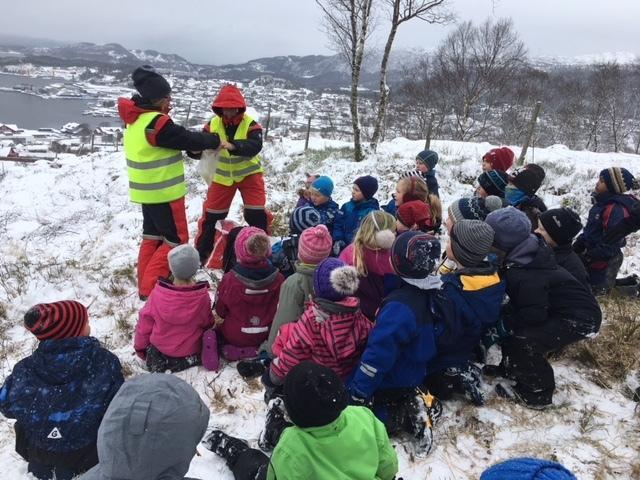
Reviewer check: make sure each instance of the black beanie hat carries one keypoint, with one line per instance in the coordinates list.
(562, 224)
(528, 179)
(314, 395)
(150, 84)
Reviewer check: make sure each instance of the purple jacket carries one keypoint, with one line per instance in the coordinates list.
(174, 319)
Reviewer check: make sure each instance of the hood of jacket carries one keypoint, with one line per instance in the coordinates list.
(58, 362)
(532, 253)
(179, 304)
(150, 430)
(130, 109)
(256, 278)
(230, 96)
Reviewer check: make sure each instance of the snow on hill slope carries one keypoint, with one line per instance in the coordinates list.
(69, 231)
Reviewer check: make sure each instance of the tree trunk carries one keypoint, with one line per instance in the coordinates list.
(384, 88)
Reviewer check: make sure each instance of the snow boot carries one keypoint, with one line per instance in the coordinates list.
(513, 393)
(630, 281)
(225, 446)
(251, 368)
(209, 354)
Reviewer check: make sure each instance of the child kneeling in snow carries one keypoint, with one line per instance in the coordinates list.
(548, 309)
(328, 439)
(59, 394)
(476, 292)
(404, 341)
(247, 296)
(171, 324)
(331, 332)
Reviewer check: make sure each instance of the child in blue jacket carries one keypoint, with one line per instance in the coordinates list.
(403, 342)
(361, 203)
(475, 291)
(59, 394)
(320, 198)
(611, 207)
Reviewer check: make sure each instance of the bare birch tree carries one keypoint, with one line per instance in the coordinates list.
(347, 25)
(430, 11)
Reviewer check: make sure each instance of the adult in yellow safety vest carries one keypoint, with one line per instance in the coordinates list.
(153, 147)
(239, 168)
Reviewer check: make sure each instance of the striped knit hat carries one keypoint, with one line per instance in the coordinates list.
(618, 180)
(471, 241)
(494, 182)
(303, 218)
(57, 320)
(474, 208)
(314, 245)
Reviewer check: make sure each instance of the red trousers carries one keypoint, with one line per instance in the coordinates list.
(216, 207)
(164, 226)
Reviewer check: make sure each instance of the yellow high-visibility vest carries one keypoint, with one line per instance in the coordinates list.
(233, 169)
(156, 174)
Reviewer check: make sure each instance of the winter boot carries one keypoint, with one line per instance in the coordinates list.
(422, 411)
(630, 281)
(494, 371)
(534, 401)
(274, 425)
(225, 446)
(471, 381)
(251, 368)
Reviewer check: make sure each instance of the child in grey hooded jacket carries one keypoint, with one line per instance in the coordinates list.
(150, 430)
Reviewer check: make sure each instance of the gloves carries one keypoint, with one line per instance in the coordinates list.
(579, 246)
(338, 246)
(495, 334)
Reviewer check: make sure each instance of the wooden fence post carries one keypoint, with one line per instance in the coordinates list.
(93, 136)
(186, 121)
(266, 129)
(306, 142)
(427, 142)
(532, 126)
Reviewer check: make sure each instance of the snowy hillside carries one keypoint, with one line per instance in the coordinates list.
(69, 232)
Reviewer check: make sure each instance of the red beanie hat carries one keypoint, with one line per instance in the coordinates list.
(500, 158)
(57, 320)
(413, 213)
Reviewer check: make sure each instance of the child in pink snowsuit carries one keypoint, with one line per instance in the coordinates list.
(170, 325)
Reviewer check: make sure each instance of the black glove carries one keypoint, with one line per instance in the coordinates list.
(579, 246)
(357, 399)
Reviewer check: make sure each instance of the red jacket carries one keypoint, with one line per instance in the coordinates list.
(247, 300)
(333, 334)
(174, 319)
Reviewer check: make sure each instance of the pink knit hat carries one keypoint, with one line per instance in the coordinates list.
(252, 246)
(314, 245)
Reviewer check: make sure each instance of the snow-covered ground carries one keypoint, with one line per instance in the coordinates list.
(69, 231)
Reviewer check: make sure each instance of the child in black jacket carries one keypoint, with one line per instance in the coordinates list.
(548, 309)
(558, 227)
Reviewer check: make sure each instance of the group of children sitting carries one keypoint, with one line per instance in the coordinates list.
(360, 307)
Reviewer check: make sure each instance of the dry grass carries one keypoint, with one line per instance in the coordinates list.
(613, 354)
(219, 396)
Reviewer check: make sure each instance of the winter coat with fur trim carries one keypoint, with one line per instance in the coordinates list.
(348, 222)
(174, 319)
(58, 395)
(476, 295)
(379, 282)
(332, 334)
(402, 343)
(296, 294)
(247, 299)
(540, 291)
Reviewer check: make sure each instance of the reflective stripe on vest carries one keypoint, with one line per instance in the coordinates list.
(156, 174)
(232, 169)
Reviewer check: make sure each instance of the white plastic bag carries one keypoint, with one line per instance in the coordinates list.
(208, 164)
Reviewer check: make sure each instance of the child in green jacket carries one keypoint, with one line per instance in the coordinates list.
(329, 440)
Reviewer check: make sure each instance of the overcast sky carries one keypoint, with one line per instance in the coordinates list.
(216, 32)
